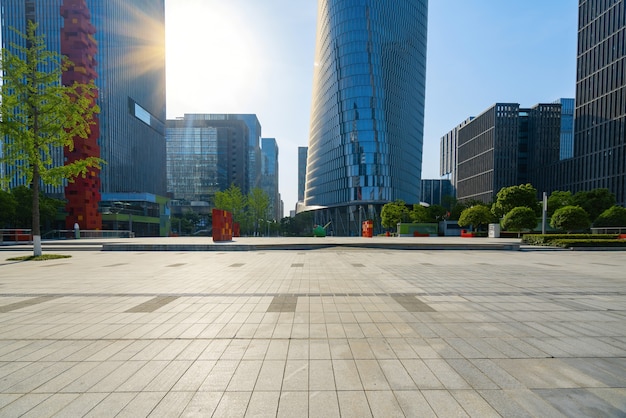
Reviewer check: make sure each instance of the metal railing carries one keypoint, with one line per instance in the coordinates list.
(609, 230)
(16, 236)
(87, 234)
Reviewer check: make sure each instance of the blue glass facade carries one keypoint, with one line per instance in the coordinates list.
(131, 82)
(567, 128)
(367, 117)
(269, 182)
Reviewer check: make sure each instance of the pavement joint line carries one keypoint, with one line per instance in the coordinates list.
(313, 294)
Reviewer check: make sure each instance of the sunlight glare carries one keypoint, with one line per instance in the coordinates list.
(211, 57)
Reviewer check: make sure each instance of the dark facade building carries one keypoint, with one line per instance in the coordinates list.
(434, 191)
(302, 156)
(506, 146)
(366, 133)
(269, 177)
(206, 154)
(448, 152)
(567, 128)
(600, 130)
(130, 76)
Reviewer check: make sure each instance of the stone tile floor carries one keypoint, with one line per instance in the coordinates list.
(350, 333)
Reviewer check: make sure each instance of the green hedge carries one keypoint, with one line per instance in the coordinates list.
(548, 239)
(569, 243)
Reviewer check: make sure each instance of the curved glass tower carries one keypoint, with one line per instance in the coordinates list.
(367, 116)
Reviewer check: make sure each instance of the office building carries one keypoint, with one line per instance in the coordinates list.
(206, 153)
(302, 156)
(130, 76)
(269, 177)
(567, 128)
(506, 146)
(448, 152)
(437, 192)
(367, 117)
(600, 115)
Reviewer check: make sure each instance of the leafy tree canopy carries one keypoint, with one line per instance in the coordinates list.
(524, 195)
(39, 115)
(570, 218)
(233, 201)
(558, 199)
(476, 216)
(595, 201)
(613, 216)
(8, 207)
(420, 214)
(519, 219)
(258, 204)
(393, 213)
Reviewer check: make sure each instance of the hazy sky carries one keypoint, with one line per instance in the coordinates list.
(256, 56)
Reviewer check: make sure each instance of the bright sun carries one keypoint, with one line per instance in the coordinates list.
(210, 56)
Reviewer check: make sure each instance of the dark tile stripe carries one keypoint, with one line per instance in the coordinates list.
(26, 303)
(283, 303)
(153, 304)
(412, 304)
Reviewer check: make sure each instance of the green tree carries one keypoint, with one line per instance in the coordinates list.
(258, 203)
(570, 218)
(476, 216)
(233, 201)
(39, 115)
(437, 213)
(24, 198)
(595, 201)
(524, 195)
(48, 208)
(459, 207)
(8, 207)
(297, 226)
(420, 214)
(613, 216)
(559, 199)
(393, 213)
(519, 219)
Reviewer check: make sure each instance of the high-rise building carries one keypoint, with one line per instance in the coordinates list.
(567, 128)
(507, 146)
(448, 152)
(435, 191)
(367, 117)
(600, 130)
(206, 153)
(302, 156)
(269, 177)
(130, 67)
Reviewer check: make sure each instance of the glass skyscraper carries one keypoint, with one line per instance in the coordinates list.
(130, 36)
(367, 116)
(600, 130)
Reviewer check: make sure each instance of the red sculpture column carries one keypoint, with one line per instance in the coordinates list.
(78, 44)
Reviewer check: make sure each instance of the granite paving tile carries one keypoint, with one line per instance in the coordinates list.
(414, 404)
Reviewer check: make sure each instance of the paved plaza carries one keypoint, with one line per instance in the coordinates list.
(350, 332)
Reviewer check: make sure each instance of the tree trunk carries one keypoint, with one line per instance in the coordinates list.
(36, 227)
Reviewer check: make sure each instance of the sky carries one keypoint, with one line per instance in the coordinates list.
(256, 56)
